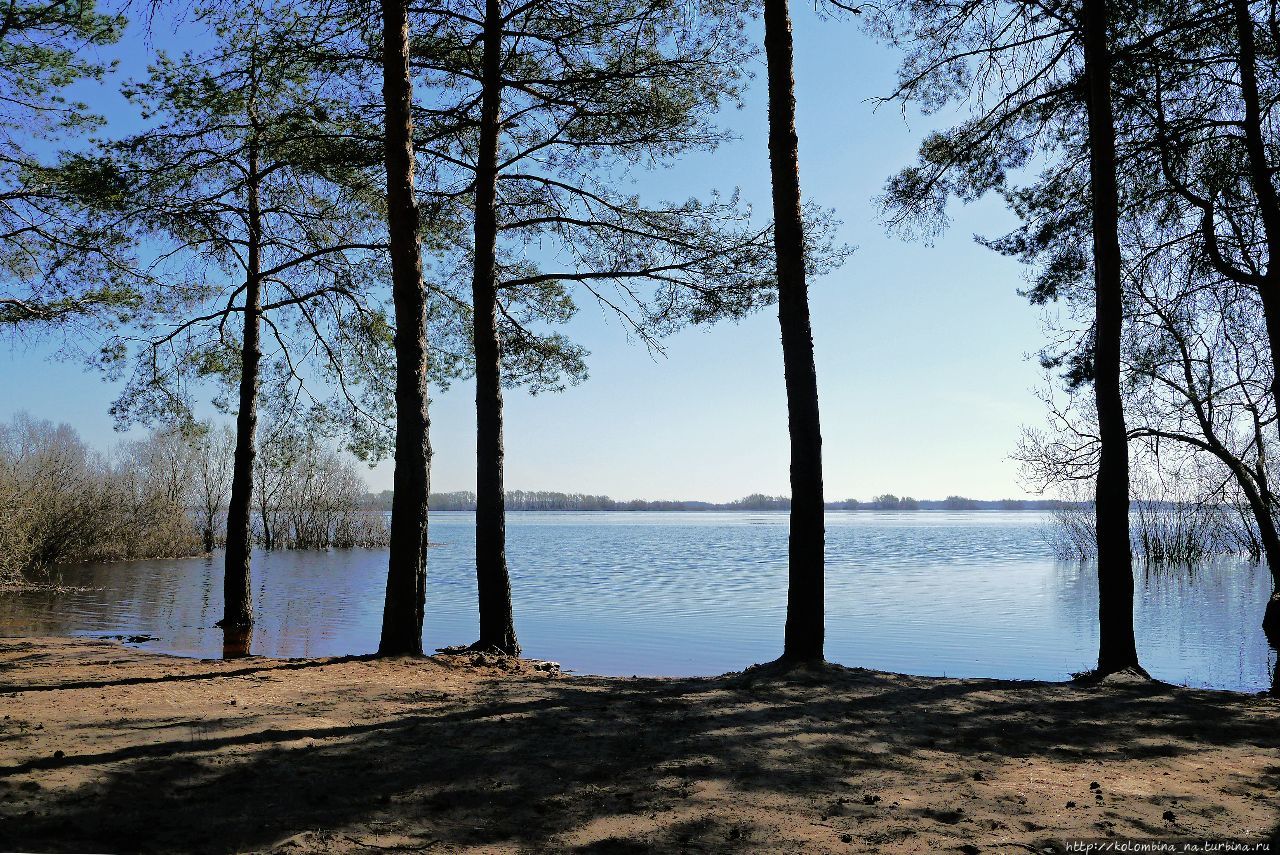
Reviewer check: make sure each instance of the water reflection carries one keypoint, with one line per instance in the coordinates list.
(649, 593)
(235, 642)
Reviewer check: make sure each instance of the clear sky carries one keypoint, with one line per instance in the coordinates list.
(924, 353)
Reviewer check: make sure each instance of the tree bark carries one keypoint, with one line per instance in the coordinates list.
(407, 568)
(237, 591)
(1117, 649)
(497, 624)
(1269, 209)
(804, 632)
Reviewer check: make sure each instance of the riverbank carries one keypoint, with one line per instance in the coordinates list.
(106, 748)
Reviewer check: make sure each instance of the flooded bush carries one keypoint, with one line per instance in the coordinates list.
(165, 496)
(1240, 530)
(62, 502)
(1165, 528)
(1072, 532)
(310, 496)
(1175, 532)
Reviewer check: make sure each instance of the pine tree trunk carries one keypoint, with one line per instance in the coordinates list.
(407, 569)
(1117, 649)
(236, 580)
(805, 607)
(497, 625)
(1260, 176)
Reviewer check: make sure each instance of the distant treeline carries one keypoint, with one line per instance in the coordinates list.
(542, 500)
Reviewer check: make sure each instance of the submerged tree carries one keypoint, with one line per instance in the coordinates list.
(1038, 78)
(805, 629)
(310, 494)
(542, 109)
(255, 180)
(213, 455)
(65, 503)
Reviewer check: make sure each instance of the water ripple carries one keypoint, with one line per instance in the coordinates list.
(960, 594)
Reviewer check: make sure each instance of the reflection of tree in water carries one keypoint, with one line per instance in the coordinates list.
(235, 642)
(1208, 617)
(1198, 625)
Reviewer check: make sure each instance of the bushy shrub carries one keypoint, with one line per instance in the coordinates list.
(62, 502)
(310, 496)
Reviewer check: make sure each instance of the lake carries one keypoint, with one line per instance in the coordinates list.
(927, 592)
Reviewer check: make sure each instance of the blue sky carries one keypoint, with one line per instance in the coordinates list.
(922, 351)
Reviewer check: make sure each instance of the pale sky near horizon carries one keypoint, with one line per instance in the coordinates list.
(925, 354)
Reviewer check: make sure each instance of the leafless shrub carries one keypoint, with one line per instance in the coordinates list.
(65, 503)
(1072, 530)
(310, 496)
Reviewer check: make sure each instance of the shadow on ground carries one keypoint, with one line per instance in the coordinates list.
(835, 760)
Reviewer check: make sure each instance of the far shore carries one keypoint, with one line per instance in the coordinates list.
(111, 749)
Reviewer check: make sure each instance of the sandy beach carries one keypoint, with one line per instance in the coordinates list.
(104, 748)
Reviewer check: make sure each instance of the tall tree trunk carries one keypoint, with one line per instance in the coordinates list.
(497, 625)
(805, 607)
(407, 570)
(1117, 649)
(1271, 614)
(236, 579)
(1260, 176)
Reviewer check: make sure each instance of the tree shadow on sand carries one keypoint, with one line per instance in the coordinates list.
(574, 764)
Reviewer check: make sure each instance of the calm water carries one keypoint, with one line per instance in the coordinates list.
(957, 594)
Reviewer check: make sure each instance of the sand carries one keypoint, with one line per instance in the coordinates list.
(104, 748)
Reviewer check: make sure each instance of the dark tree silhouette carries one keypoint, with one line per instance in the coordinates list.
(1117, 649)
(407, 569)
(1196, 166)
(805, 552)
(1208, 162)
(548, 102)
(1038, 77)
(497, 621)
